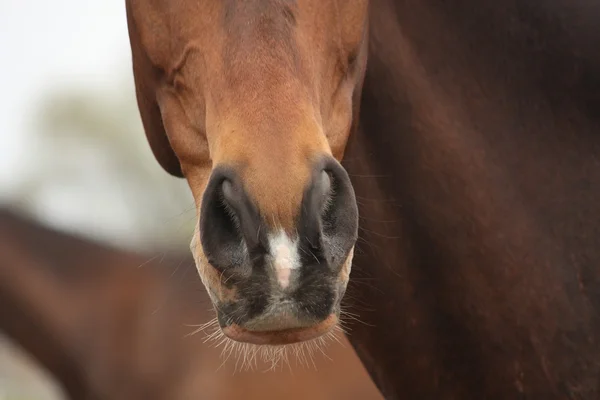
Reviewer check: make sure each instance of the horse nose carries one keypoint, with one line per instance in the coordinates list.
(230, 224)
(276, 286)
(328, 224)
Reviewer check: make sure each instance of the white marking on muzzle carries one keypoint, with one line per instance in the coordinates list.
(285, 257)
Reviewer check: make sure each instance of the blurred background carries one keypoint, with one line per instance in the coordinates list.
(74, 160)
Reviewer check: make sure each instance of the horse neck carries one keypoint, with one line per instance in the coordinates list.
(482, 111)
(476, 173)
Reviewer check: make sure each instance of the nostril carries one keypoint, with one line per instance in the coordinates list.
(219, 229)
(328, 211)
(340, 217)
(329, 217)
(229, 221)
(325, 184)
(244, 212)
(231, 197)
(340, 204)
(317, 201)
(229, 192)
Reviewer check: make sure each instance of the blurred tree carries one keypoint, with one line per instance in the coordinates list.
(91, 170)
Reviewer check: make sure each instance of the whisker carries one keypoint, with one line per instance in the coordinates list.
(370, 175)
(358, 320)
(379, 234)
(275, 357)
(148, 260)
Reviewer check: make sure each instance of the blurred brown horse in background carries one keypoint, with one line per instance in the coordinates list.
(110, 324)
(476, 167)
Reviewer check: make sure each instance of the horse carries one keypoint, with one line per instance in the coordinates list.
(110, 324)
(468, 139)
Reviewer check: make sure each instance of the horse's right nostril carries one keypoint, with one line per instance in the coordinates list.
(328, 225)
(229, 221)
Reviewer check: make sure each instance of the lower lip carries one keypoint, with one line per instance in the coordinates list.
(286, 336)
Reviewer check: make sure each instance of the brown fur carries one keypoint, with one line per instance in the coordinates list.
(112, 325)
(246, 91)
(476, 169)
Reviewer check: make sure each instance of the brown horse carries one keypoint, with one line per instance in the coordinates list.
(112, 325)
(475, 166)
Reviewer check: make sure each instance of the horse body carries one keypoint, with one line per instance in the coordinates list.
(476, 168)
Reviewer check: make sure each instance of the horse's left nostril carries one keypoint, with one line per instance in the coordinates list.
(328, 225)
(314, 205)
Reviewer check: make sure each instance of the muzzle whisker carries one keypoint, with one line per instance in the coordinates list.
(227, 349)
(350, 317)
(338, 329)
(202, 327)
(148, 260)
(246, 354)
(311, 349)
(321, 348)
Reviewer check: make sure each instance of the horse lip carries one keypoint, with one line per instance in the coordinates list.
(280, 337)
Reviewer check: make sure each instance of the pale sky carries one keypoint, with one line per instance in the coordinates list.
(45, 43)
(67, 43)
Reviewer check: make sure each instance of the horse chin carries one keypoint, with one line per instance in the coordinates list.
(283, 336)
